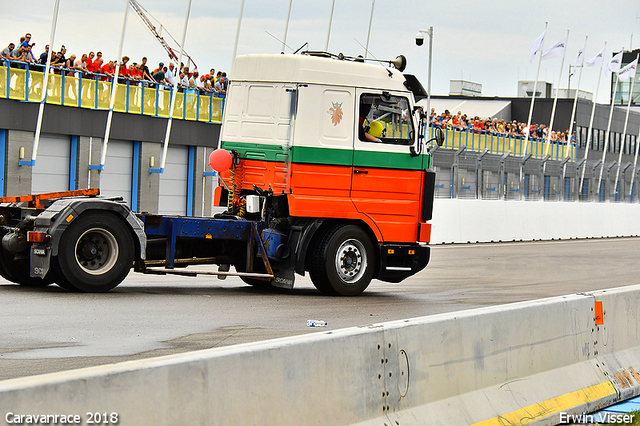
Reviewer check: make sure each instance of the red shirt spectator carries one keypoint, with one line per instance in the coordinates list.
(109, 70)
(123, 71)
(95, 66)
(89, 62)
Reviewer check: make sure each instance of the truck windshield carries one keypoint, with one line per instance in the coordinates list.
(385, 119)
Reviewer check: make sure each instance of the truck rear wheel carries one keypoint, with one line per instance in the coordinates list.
(255, 282)
(95, 253)
(18, 271)
(343, 261)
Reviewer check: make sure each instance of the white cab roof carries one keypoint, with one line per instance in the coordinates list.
(306, 69)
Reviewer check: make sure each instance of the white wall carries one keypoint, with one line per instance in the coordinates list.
(462, 221)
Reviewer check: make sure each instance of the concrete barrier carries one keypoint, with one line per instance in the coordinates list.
(462, 221)
(527, 362)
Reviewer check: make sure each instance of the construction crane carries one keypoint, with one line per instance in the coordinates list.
(144, 15)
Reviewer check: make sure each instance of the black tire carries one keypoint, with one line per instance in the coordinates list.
(95, 253)
(256, 282)
(258, 266)
(18, 271)
(343, 261)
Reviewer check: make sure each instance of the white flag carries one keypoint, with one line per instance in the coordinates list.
(596, 60)
(537, 45)
(614, 63)
(629, 71)
(555, 51)
(580, 55)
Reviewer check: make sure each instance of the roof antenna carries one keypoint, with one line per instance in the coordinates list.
(374, 57)
(306, 43)
(283, 43)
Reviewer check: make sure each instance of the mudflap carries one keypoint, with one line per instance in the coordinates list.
(284, 278)
(39, 259)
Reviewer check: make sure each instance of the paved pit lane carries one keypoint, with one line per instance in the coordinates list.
(49, 329)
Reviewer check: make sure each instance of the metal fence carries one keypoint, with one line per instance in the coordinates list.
(93, 91)
(462, 173)
(506, 144)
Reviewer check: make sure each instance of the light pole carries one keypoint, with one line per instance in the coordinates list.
(419, 42)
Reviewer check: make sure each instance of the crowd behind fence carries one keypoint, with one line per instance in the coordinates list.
(94, 91)
(505, 144)
(472, 171)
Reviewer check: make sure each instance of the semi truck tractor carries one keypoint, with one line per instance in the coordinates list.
(324, 168)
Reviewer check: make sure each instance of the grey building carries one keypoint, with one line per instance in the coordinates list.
(69, 151)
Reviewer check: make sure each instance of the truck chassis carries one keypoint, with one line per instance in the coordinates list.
(84, 242)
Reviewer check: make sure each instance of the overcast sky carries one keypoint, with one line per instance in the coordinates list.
(483, 42)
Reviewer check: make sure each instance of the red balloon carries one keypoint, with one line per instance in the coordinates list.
(220, 160)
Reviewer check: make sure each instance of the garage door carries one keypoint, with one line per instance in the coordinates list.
(115, 179)
(51, 172)
(173, 182)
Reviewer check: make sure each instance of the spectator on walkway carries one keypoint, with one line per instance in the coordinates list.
(108, 69)
(184, 77)
(63, 52)
(146, 74)
(160, 68)
(80, 64)
(219, 86)
(26, 40)
(89, 60)
(44, 55)
(96, 64)
(123, 71)
(57, 60)
(7, 52)
(170, 75)
(161, 79)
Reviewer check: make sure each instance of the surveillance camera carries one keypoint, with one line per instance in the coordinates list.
(419, 39)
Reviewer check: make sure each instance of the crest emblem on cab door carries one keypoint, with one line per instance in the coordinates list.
(336, 113)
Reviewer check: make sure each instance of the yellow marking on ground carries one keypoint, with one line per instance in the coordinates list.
(551, 406)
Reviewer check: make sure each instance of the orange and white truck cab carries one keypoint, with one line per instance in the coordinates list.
(333, 150)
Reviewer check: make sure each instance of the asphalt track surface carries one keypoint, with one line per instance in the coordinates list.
(49, 329)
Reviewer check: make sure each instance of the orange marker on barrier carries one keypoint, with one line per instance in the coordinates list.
(599, 317)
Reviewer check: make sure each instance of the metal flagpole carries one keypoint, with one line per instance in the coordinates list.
(43, 97)
(326, 46)
(114, 86)
(555, 102)
(175, 89)
(286, 28)
(606, 136)
(533, 96)
(235, 44)
(624, 132)
(593, 110)
(575, 101)
(366, 48)
(635, 163)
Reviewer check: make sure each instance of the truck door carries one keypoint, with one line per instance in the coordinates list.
(386, 181)
(322, 152)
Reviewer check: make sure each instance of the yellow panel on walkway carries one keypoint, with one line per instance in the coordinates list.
(54, 89)
(216, 110)
(17, 83)
(88, 93)
(203, 109)
(149, 101)
(120, 104)
(135, 99)
(190, 105)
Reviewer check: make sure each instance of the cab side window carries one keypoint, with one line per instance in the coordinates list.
(385, 119)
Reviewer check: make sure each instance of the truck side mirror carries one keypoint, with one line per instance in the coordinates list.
(439, 136)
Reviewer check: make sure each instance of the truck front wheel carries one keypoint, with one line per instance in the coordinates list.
(95, 252)
(343, 261)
